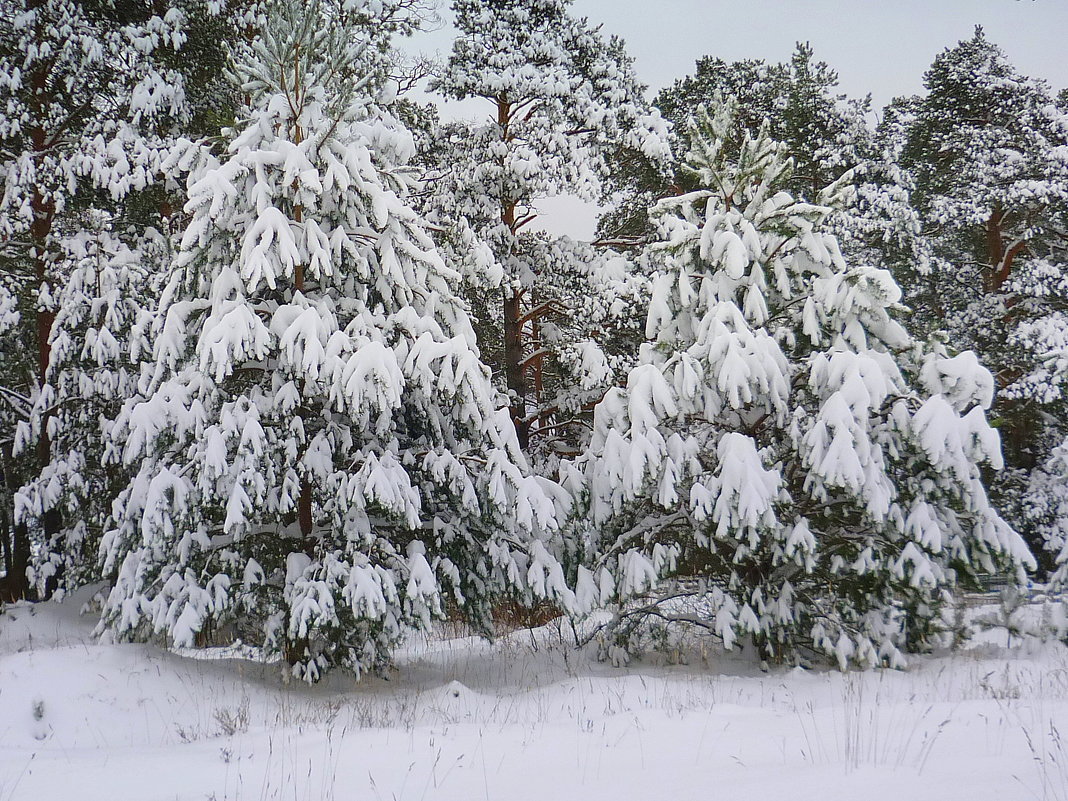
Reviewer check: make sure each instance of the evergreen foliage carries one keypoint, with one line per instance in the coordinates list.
(826, 134)
(319, 458)
(783, 439)
(100, 339)
(986, 149)
(93, 96)
(563, 97)
(285, 359)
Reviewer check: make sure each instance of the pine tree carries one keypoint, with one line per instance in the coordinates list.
(82, 96)
(320, 462)
(784, 439)
(562, 98)
(1045, 505)
(825, 132)
(98, 96)
(822, 130)
(984, 147)
(100, 338)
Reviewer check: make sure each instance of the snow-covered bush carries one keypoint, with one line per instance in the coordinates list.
(319, 455)
(784, 441)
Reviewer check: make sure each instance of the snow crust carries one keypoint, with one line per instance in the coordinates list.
(527, 718)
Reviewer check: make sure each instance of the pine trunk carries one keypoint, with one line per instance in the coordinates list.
(43, 208)
(14, 541)
(514, 368)
(515, 372)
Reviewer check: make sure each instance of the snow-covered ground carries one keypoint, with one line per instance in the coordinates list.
(525, 718)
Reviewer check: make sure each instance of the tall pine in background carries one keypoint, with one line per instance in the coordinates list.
(561, 97)
(985, 147)
(94, 94)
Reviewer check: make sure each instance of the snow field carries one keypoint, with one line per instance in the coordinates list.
(528, 717)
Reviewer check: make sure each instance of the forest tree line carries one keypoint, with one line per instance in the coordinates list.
(284, 359)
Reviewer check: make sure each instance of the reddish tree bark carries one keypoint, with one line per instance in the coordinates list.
(305, 518)
(1001, 261)
(43, 209)
(514, 369)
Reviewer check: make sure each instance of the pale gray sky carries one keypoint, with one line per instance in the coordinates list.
(882, 48)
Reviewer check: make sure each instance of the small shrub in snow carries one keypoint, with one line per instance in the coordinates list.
(233, 720)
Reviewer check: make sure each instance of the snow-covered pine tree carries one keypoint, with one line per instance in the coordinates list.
(78, 87)
(100, 340)
(783, 439)
(826, 134)
(562, 99)
(97, 96)
(1042, 341)
(986, 148)
(321, 462)
(1046, 506)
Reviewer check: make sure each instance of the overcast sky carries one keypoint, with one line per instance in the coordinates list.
(880, 47)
